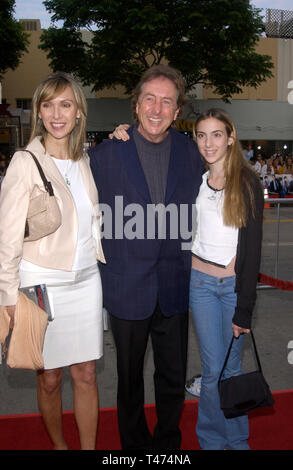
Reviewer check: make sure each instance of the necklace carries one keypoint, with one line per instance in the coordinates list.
(68, 168)
(67, 171)
(213, 196)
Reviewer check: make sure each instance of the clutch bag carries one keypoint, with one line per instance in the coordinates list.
(27, 338)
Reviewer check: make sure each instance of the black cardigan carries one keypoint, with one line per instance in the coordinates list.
(248, 257)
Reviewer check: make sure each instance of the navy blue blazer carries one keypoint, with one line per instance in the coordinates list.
(141, 268)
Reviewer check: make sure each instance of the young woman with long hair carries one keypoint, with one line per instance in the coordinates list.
(226, 255)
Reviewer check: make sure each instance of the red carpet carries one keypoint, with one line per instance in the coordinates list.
(270, 428)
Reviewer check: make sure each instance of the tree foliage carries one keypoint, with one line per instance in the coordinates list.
(210, 41)
(13, 40)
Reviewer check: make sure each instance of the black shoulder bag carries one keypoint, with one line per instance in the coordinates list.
(241, 393)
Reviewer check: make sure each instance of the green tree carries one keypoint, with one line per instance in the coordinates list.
(209, 41)
(13, 39)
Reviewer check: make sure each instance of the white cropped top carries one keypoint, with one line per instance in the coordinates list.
(213, 242)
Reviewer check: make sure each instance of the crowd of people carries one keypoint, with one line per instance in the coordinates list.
(146, 283)
(275, 172)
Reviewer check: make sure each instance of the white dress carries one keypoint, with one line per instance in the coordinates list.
(76, 333)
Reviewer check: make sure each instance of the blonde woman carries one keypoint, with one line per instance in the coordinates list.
(288, 166)
(225, 264)
(270, 168)
(66, 260)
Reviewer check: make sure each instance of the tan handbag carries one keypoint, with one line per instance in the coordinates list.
(43, 216)
(27, 338)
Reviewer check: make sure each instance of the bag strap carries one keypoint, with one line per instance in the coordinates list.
(229, 350)
(47, 184)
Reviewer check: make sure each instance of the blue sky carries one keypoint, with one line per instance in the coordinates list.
(35, 9)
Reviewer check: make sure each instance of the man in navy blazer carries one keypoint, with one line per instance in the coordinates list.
(147, 271)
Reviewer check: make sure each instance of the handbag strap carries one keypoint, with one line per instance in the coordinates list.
(229, 350)
(47, 184)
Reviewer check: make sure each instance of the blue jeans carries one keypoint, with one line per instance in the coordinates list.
(212, 302)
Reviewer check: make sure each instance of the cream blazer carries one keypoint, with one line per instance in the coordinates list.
(56, 251)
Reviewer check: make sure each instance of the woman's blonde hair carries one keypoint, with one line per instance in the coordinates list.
(51, 87)
(238, 174)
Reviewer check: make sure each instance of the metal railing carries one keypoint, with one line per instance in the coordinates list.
(278, 202)
(279, 23)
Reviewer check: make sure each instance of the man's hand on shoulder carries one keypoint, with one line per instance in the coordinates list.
(120, 132)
